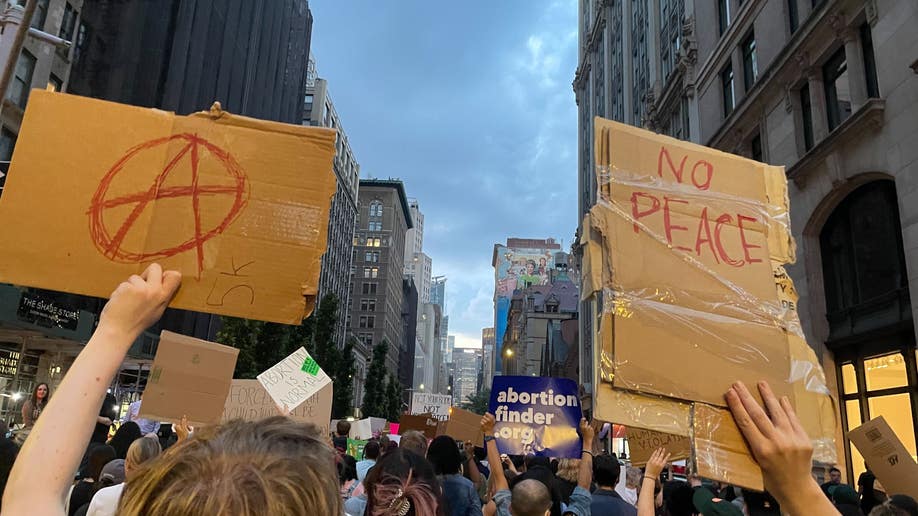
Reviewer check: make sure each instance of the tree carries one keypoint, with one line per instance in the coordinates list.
(393, 399)
(374, 397)
(344, 381)
(260, 344)
(477, 402)
(319, 330)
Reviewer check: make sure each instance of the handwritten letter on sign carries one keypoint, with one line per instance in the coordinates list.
(294, 379)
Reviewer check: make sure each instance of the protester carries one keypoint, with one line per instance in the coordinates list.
(539, 469)
(370, 455)
(31, 409)
(707, 503)
(404, 484)
(628, 489)
(147, 426)
(347, 476)
(865, 488)
(105, 501)
(474, 471)
(531, 497)
(82, 492)
(759, 503)
(566, 481)
(606, 473)
(8, 452)
(342, 430)
(896, 505)
(646, 505)
(846, 500)
(834, 480)
(459, 493)
(414, 441)
(126, 434)
(107, 414)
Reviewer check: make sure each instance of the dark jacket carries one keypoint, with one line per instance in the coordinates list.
(609, 503)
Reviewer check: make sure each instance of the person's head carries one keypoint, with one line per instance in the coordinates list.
(633, 477)
(568, 469)
(530, 498)
(835, 475)
(140, 451)
(760, 503)
(444, 455)
(709, 505)
(41, 394)
(347, 469)
(371, 450)
(904, 503)
(112, 473)
(126, 434)
(677, 498)
(272, 466)
(530, 267)
(886, 509)
(843, 494)
(606, 471)
(403, 481)
(99, 456)
(415, 442)
(343, 428)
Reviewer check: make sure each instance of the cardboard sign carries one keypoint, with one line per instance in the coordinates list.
(249, 400)
(537, 415)
(888, 459)
(294, 379)
(642, 444)
(190, 377)
(462, 425)
(435, 404)
(424, 423)
(367, 428)
(239, 206)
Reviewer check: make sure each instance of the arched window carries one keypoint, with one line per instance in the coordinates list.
(375, 209)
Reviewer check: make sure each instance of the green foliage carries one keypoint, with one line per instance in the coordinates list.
(344, 381)
(393, 399)
(260, 344)
(477, 402)
(374, 398)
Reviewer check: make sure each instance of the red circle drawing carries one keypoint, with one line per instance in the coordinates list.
(110, 244)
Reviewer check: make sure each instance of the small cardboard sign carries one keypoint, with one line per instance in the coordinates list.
(239, 206)
(424, 423)
(462, 425)
(249, 400)
(367, 428)
(892, 464)
(642, 443)
(291, 381)
(435, 404)
(190, 377)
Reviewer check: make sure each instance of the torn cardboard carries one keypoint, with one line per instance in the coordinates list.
(462, 425)
(892, 464)
(248, 400)
(642, 443)
(294, 379)
(239, 206)
(190, 377)
(424, 423)
(688, 246)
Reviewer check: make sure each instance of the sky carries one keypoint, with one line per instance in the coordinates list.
(470, 105)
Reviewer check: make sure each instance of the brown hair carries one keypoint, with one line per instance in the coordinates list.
(272, 466)
(568, 469)
(140, 451)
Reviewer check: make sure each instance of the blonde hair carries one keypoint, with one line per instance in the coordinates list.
(568, 469)
(140, 451)
(272, 466)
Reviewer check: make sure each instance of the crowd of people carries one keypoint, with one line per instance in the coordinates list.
(67, 465)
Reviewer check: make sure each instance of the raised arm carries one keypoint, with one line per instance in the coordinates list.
(44, 468)
(471, 467)
(497, 470)
(585, 475)
(655, 465)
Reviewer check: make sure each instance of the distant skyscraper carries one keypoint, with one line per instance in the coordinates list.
(466, 371)
(487, 357)
(438, 292)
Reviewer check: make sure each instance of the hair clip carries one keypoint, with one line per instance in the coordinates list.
(400, 505)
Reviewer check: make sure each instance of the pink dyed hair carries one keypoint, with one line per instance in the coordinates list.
(420, 495)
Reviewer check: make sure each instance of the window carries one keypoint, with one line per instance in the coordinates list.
(870, 62)
(367, 321)
(756, 147)
(750, 68)
(726, 79)
(55, 83)
(793, 19)
(376, 209)
(368, 305)
(807, 115)
(68, 23)
(7, 143)
(723, 15)
(371, 256)
(375, 225)
(308, 101)
(369, 288)
(41, 14)
(22, 80)
(81, 45)
(370, 272)
(366, 339)
(373, 242)
(838, 94)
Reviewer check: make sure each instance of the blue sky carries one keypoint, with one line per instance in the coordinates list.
(470, 104)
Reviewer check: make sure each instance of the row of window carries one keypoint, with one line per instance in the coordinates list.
(367, 241)
(750, 73)
(370, 272)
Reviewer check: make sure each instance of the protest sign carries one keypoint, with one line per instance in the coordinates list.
(435, 404)
(239, 206)
(190, 377)
(538, 415)
(889, 460)
(642, 443)
(367, 428)
(355, 447)
(462, 425)
(698, 239)
(424, 423)
(294, 379)
(249, 400)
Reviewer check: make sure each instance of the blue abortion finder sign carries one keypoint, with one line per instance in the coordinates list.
(537, 415)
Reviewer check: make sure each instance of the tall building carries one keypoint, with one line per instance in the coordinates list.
(319, 110)
(427, 351)
(467, 370)
(438, 292)
(377, 298)
(417, 264)
(408, 345)
(825, 89)
(520, 263)
(487, 357)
